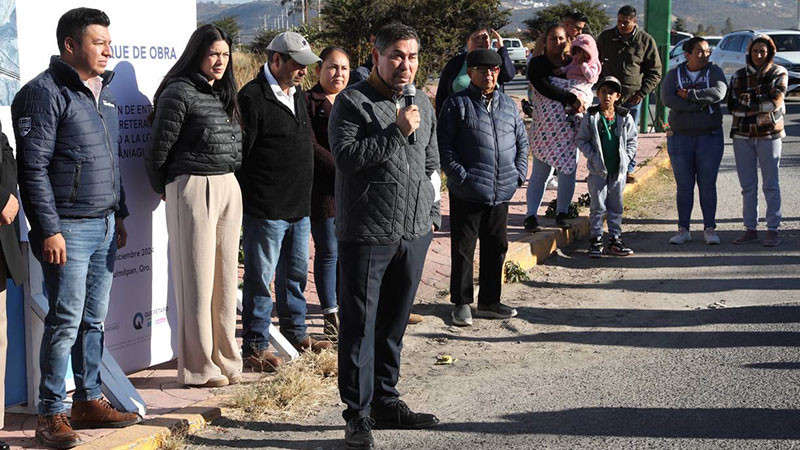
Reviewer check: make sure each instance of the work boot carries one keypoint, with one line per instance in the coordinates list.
(309, 344)
(56, 432)
(263, 361)
(100, 414)
(358, 434)
(399, 416)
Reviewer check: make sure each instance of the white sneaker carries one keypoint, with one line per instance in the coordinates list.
(711, 236)
(681, 237)
(552, 184)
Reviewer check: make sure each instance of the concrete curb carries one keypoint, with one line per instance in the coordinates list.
(148, 434)
(531, 249)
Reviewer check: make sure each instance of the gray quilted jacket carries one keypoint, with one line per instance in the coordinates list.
(383, 188)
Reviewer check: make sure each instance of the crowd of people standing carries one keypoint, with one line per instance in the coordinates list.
(356, 169)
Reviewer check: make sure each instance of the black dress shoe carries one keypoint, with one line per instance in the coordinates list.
(358, 434)
(400, 416)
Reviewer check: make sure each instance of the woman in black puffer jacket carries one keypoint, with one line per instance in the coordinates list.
(196, 147)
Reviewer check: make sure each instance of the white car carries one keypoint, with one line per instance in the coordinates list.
(731, 53)
(516, 51)
(677, 56)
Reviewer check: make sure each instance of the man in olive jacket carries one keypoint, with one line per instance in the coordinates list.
(630, 55)
(385, 212)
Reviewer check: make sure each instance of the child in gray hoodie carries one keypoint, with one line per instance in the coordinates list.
(607, 137)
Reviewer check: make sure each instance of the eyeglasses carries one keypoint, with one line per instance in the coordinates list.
(484, 69)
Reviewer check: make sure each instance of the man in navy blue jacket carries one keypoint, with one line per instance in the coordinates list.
(483, 148)
(66, 126)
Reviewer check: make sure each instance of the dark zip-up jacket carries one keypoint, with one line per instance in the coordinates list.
(67, 147)
(633, 60)
(453, 67)
(192, 134)
(277, 157)
(9, 234)
(484, 153)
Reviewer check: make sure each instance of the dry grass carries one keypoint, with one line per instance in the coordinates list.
(296, 390)
(177, 440)
(660, 189)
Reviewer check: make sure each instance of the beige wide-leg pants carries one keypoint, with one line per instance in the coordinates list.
(204, 216)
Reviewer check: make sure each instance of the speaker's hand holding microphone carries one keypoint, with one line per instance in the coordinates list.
(408, 118)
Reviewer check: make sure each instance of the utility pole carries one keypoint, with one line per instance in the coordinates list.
(797, 21)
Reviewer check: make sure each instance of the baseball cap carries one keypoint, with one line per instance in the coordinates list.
(613, 81)
(294, 45)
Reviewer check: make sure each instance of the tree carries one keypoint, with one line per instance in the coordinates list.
(701, 30)
(230, 25)
(679, 24)
(728, 26)
(710, 30)
(595, 12)
(441, 25)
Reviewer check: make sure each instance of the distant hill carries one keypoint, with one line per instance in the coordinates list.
(743, 13)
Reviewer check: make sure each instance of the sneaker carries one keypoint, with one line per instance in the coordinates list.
(681, 237)
(561, 221)
(771, 239)
(358, 434)
(747, 237)
(617, 248)
(398, 416)
(596, 247)
(552, 184)
(495, 311)
(630, 178)
(710, 236)
(462, 316)
(531, 224)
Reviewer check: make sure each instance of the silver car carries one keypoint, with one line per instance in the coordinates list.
(731, 53)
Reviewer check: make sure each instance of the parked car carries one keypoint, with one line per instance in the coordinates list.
(730, 54)
(517, 52)
(676, 55)
(677, 36)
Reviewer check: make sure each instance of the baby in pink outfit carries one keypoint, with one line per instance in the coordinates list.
(584, 69)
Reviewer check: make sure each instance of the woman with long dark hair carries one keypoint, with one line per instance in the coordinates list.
(333, 74)
(195, 149)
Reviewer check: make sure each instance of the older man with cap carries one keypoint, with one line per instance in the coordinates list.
(483, 149)
(276, 178)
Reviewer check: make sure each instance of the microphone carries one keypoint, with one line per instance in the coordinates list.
(409, 91)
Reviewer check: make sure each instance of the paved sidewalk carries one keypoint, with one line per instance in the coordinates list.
(172, 406)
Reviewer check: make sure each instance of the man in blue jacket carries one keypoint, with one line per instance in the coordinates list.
(483, 148)
(66, 126)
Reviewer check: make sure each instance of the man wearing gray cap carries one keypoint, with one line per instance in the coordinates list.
(276, 177)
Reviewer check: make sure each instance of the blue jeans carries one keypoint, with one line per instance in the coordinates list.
(279, 248)
(539, 174)
(696, 159)
(635, 111)
(77, 295)
(326, 255)
(751, 153)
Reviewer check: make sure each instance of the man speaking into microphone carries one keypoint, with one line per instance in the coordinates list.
(385, 214)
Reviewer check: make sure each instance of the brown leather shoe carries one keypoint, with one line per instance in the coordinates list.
(56, 432)
(263, 361)
(414, 319)
(100, 414)
(312, 344)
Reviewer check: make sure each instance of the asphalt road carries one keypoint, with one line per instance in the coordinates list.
(691, 347)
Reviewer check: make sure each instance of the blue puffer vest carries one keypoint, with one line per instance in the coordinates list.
(485, 155)
(67, 149)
